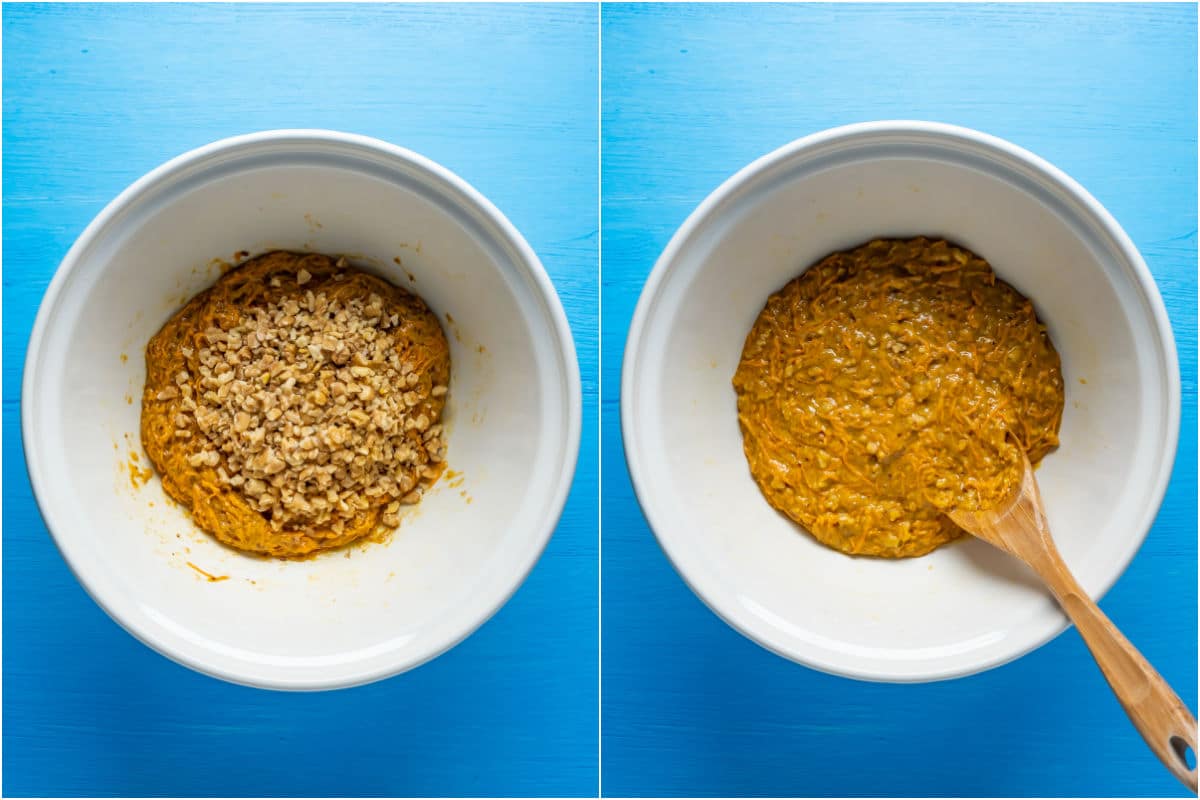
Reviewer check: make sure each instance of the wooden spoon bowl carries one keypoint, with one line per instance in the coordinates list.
(1019, 528)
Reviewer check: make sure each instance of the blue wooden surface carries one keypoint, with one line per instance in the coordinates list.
(690, 94)
(94, 96)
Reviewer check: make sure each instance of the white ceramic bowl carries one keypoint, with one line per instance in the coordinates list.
(513, 412)
(966, 607)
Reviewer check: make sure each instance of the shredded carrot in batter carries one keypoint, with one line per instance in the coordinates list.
(889, 384)
(208, 575)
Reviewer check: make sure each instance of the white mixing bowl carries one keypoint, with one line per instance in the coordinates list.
(966, 607)
(512, 418)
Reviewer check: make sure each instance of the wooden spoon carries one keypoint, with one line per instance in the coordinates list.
(1018, 527)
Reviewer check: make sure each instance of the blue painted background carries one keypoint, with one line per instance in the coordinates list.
(691, 94)
(96, 96)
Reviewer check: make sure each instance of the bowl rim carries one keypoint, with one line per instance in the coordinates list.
(525, 260)
(943, 133)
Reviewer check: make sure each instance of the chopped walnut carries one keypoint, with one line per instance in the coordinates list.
(313, 408)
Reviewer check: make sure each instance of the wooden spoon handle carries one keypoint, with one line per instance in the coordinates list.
(1155, 710)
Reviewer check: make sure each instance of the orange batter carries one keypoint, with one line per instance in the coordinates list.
(295, 405)
(889, 384)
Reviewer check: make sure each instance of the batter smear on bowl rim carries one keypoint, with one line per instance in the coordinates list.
(892, 383)
(295, 405)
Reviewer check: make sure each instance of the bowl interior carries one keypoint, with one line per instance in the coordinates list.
(966, 606)
(341, 617)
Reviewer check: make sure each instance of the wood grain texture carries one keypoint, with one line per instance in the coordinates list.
(692, 93)
(94, 96)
